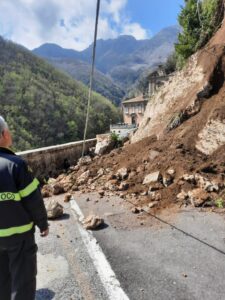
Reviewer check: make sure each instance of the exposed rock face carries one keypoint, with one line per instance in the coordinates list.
(170, 100)
(211, 137)
(184, 96)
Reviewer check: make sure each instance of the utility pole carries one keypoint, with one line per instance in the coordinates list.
(91, 75)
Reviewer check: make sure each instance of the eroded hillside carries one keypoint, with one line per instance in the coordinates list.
(177, 156)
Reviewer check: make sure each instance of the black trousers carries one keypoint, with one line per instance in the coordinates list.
(18, 270)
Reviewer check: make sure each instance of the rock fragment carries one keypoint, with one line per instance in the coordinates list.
(92, 222)
(54, 209)
(151, 178)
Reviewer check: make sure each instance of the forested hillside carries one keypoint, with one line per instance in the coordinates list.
(81, 70)
(43, 106)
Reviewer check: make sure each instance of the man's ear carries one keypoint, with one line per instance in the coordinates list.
(5, 134)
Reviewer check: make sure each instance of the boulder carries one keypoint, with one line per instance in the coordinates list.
(122, 173)
(182, 196)
(171, 172)
(54, 209)
(47, 191)
(167, 180)
(198, 197)
(153, 154)
(67, 197)
(152, 204)
(83, 161)
(58, 189)
(151, 178)
(111, 185)
(124, 186)
(83, 178)
(104, 144)
(92, 222)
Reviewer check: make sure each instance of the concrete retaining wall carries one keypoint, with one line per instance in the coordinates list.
(50, 161)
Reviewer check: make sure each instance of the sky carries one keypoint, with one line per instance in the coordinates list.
(70, 23)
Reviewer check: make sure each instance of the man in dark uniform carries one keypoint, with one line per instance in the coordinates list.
(21, 208)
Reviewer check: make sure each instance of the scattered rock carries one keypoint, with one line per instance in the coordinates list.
(123, 186)
(58, 189)
(153, 154)
(111, 185)
(104, 144)
(132, 175)
(75, 188)
(189, 178)
(152, 204)
(47, 191)
(54, 209)
(135, 210)
(171, 172)
(122, 173)
(198, 197)
(92, 222)
(151, 178)
(144, 193)
(83, 178)
(67, 197)
(167, 180)
(101, 193)
(182, 196)
(83, 161)
(100, 172)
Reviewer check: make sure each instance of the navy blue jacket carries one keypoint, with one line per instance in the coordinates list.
(21, 202)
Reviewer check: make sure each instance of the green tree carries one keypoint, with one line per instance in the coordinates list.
(199, 20)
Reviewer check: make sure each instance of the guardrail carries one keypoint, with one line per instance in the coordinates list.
(51, 161)
(123, 126)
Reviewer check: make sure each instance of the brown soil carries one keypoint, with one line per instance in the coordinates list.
(177, 147)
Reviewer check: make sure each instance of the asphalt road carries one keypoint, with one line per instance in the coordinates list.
(151, 259)
(65, 269)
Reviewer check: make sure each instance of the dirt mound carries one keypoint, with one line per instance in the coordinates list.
(177, 155)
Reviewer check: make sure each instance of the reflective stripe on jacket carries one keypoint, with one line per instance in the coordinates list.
(21, 203)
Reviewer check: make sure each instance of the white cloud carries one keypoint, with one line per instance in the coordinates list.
(136, 30)
(67, 23)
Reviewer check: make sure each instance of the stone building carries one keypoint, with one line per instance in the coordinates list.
(156, 79)
(133, 109)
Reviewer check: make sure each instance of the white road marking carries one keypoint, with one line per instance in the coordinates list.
(106, 274)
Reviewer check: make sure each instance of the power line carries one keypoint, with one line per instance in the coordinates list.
(91, 75)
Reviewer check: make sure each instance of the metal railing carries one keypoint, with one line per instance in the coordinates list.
(122, 126)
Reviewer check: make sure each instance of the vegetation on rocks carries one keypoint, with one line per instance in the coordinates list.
(199, 21)
(43, 106)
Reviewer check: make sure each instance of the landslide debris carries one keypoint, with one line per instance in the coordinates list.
(177, 156)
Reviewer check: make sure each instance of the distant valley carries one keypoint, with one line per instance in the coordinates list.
(119, 62)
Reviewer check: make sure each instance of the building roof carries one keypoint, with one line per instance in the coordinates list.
(135, 100)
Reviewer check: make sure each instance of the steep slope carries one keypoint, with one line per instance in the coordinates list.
(177, 155)
(81, 70)
(43, 106)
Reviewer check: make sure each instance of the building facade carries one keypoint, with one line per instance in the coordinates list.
(133, 110)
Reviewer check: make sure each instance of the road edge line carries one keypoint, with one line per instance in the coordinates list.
(105, 272)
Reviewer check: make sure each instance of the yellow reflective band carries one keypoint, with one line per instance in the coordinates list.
(29, 189)
(15, 230)
(9, 196)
